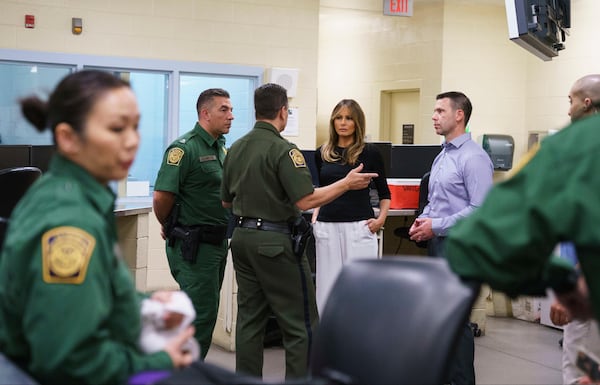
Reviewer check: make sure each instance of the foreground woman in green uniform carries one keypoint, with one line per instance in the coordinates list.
(69, 312)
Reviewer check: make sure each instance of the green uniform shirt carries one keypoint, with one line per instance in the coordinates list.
(69, 312)
(268, 192)
(508, 241)
(192, 169)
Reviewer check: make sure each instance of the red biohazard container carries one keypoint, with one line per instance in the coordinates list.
(405, 193)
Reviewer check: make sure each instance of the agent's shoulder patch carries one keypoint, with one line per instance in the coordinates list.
(66, 253)
(297, 158)
(174, 156)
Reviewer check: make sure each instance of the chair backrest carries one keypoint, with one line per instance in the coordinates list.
(391, 321)
(15, 182)
(423, 192)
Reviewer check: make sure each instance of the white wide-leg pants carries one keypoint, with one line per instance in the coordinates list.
(335, 244)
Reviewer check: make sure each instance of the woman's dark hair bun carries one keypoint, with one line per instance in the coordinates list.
(35, 111)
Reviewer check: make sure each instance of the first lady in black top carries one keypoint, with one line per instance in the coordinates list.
(346, 228)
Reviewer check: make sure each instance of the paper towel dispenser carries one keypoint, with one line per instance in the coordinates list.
(500, 148)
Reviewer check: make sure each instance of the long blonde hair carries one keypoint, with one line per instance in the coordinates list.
(351, 154)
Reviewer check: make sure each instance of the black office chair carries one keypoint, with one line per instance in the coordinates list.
(402, 232)
(14, 182)
(391, 321)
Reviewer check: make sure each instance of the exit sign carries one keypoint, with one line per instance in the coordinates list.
(398, 7)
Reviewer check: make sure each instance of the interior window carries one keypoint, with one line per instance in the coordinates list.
(241, 90)
(20, 80)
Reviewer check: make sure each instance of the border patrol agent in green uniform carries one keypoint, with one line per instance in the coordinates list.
(508, 241)
(67, 220)
(187, 202)
(69, 312)
(267, 182)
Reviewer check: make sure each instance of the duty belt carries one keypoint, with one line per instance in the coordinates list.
(260, 224)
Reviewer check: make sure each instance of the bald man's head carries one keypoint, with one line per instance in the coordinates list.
(584, 97)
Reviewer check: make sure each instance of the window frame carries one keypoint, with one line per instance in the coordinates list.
(173, 69)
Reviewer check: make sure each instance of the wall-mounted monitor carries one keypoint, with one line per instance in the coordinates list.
(539, 26)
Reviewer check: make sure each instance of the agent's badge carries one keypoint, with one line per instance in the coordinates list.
(174, 156)
(66, 253)
(297, 158)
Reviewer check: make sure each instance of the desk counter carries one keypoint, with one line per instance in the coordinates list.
(400, 212)
(125, 208)
(132, 217)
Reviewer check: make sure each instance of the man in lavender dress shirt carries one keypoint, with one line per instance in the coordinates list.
(461, 175)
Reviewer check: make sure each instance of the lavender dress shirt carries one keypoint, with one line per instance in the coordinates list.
(460, 178)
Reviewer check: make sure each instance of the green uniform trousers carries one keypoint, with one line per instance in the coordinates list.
(201, 281)
(270, 278)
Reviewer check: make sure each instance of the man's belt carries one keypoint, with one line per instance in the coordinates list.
(261, 224)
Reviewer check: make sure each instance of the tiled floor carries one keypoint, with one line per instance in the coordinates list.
(518, 352)
(511, 352)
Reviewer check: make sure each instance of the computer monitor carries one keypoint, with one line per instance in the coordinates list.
(385, 149)
(309, 156)
(41, 156)
(14, 155)
(412, 160)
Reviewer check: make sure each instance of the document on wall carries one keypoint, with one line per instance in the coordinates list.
(291, 129)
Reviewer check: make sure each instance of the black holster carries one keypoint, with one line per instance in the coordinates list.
(171, 223)
(190, 241)
(192, 236)
(301, 234)
(189, 246)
